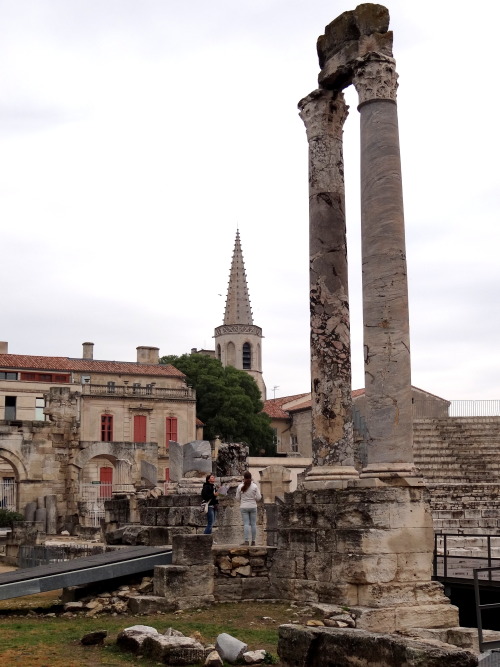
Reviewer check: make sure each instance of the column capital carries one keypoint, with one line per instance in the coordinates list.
(375, 78)
(323, 112)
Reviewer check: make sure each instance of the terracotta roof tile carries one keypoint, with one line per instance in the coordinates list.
(278, 408)
(28, 362)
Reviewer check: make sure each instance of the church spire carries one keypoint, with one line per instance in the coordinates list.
(238, 342)
(238, 310)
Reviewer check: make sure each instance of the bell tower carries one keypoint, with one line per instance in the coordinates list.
(238, 340)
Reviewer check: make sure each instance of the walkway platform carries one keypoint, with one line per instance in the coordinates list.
(101, 567)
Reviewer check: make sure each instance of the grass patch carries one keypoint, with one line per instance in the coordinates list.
(40, 641)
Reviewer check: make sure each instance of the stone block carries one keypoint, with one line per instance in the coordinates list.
(173, 650)
(365, 569)
(197, 457)
(394, 541)
(176, 461)
(426, 616)
(192, 549)
(414, 567)
(174, 581)
(228, 590)
(303, 647)
(150, 604)
(255, 588)
(132, 639)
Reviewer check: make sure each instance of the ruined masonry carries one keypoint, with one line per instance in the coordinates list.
(364, 540)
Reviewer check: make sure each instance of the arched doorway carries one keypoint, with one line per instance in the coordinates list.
(8, 486)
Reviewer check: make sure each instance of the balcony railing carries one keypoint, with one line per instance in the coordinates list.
(147, 391)
(435, 409)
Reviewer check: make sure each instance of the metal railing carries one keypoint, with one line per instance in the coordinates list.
(39, 554)
(8, 495)
(445, 564)
(91, 500)
(147, 391)
(436, 409)
(484, 645)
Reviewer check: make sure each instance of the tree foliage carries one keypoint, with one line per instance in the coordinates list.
(227, 401)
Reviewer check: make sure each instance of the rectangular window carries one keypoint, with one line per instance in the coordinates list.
(167, 474)
(44, 377)
(111, 387)
(39, 406)
(7, 375)
(171, 429)
(10, 408)
(106, 428)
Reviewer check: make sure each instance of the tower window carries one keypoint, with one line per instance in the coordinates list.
(247, 356)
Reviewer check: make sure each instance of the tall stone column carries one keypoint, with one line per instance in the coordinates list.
(385, 290)
(324, 113)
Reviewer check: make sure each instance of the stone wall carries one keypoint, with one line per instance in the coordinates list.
(468, 508)
(242, 573)
(367, 548)
(180, 514)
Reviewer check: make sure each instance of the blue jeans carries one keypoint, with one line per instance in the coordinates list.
(210, 520)
(249, 516)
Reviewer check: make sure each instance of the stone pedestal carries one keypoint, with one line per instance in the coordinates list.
(367, 548)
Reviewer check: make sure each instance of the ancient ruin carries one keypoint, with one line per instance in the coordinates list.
(363, 540)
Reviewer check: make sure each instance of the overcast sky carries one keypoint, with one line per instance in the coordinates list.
(136, 135)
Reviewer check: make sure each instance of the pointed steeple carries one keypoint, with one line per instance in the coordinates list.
(238, 342)
(238, 310)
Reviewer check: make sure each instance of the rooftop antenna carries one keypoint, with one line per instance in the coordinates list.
(274, 391)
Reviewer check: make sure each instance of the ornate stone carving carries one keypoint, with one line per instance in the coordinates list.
(324, 113)
(238, 328)
(375, 78)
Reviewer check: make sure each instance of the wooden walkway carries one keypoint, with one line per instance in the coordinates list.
(100, 567)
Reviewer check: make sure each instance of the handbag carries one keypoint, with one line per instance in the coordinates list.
(204, 507)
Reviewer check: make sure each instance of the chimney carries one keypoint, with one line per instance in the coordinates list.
(88, 350)
(148, 355)
(4, 347)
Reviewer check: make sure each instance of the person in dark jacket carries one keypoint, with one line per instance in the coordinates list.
(209, 495)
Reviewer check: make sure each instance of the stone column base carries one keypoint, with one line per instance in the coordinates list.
(330, 477)
(400, 474)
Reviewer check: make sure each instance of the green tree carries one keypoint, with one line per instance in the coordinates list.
(227, 401)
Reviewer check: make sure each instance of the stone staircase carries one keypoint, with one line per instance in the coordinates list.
(459, 458)
(458, 450)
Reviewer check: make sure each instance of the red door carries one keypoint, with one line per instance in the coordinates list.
(106, 479)
(139, 428)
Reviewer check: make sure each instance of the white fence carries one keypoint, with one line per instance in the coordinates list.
(92, 497)
(8, 494)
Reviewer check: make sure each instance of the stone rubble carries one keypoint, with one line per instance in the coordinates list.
(173, 648)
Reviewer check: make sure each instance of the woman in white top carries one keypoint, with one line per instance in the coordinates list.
(248, 494)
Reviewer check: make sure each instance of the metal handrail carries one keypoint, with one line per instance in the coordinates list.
(446, 557)
(480, 607)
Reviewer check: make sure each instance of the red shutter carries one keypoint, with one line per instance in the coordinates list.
(167, 474)
(106, 479)
(139, 428)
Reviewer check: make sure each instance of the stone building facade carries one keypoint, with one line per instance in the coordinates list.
(291, 417)
(82, 429)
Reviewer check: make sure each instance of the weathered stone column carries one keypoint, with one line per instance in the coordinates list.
(122, 481)
(385, 291)
(324, 113)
